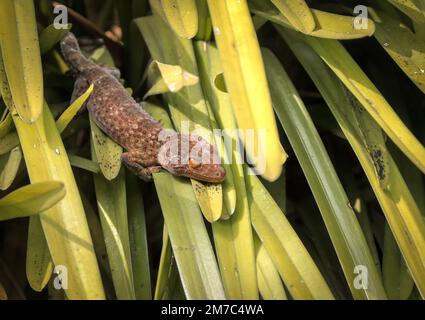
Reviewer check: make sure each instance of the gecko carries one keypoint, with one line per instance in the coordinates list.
(148, 147)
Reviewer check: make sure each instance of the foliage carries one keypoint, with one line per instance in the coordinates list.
(339, 97)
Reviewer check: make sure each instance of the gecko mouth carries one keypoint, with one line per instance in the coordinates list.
(214, 173)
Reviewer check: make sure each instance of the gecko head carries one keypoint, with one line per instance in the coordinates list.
(191, 156)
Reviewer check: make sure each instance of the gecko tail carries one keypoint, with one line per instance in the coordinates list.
(72, 53)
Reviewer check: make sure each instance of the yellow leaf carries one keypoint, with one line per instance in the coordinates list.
(21, 56)
(298, 13)
(69, 114)
(182, 16)
(31, 199)
(247, 84)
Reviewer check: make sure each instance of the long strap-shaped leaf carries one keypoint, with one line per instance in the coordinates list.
(293, 262)
(191, 246)
(344, 66)
(112, 206)
(138, 239)
(396, 276)
(50, 36)
(21, 54)
(399, 207)
(328, 25)
(10, 168)
(188, 236)
(405, 47)
(344, 229)
(182, 16)
(188, 106)
(233, 238)
(413, 8)
(31, 199)
(298, 13)
(64, 225)
(204, 21)
(247, 84)
(111, 202)
(269, 283)
(39, 265)
(168, 283)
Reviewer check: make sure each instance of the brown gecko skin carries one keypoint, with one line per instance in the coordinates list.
(149, 147)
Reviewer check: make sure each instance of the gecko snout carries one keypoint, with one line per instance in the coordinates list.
(199, 161)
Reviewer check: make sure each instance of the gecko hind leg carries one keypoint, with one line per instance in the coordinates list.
(133, 162)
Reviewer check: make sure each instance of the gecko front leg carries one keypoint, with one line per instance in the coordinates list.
(80, 86)
(142, 167)
(115, 72)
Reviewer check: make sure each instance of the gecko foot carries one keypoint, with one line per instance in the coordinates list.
(144, 173)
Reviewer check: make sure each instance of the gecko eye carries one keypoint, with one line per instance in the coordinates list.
(194, 164)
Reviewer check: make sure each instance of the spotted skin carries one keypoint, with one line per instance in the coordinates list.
(118, 115)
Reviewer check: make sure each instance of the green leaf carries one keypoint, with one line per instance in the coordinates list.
(269, 283)
(246, 82)
(8, 143)
(398, 205)
(328, 25)
(298, 14)
(168, 78)
(296, 268)
(138, 239)
(168, 284)
(347, 70)
(69, 114)
(233, 238)
(65, 225)
(413, 8)
(406, 48)
(343, 227)
(21, 57)
(84, 163)
(6, 123)
(108, 153)
(39, 265)
(50, 36)
(204, 21)
(188, 236)
(10, 168)
(31, 199)
(182, 16)
(397, 280)
(112, 206)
